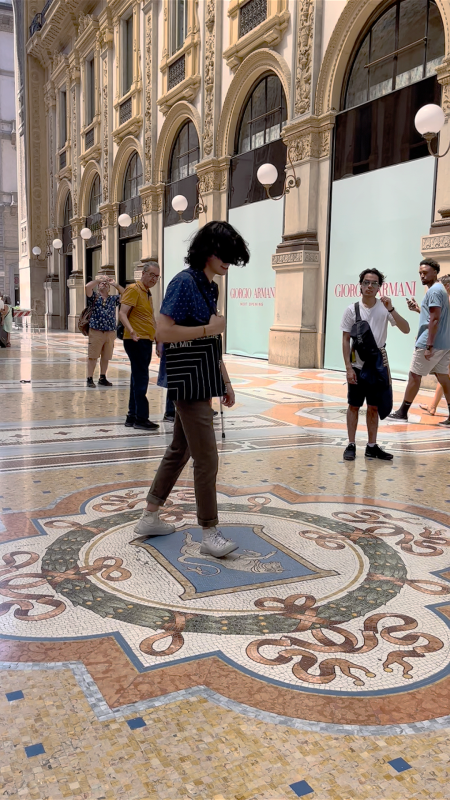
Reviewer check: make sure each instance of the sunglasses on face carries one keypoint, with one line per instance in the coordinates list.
(370, 283)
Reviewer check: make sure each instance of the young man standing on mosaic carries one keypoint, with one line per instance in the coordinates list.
(432, 348)
(369, 382)
(189, 313)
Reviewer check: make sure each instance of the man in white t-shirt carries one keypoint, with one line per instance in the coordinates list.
(378, 312)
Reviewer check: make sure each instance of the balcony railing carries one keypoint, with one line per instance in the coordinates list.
(125, 111)
(177, 72)
(89, 139)
(39, 18)
(251, 15)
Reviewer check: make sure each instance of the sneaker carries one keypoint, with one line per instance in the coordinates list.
(445, 423)
(129, 422)
(350, 452)
(377, 452)
(168, 418)
(214, 544)
(215, 413)
(145, 425)
(103, 381)
(151, 525)
(396, 415)
(90, 383)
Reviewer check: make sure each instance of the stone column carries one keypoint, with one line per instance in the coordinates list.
(295, 335)
(437, 243)
(109, 212)
(152, 208)
(75, 281)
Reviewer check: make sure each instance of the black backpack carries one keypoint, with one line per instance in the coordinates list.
(363, 339)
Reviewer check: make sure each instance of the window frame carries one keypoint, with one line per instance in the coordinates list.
(185, 153)
(90, 109)
(127, 37)
(92, 196)
(282, 108)
(134, 158)
(367, 35)
(63, 127)
(67, 204)
(175, 44)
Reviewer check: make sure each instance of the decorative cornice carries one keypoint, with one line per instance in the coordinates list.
(152, 198)
(441, 242)
(213, 175)
(185, 90)
(295, 260)
(309, 137)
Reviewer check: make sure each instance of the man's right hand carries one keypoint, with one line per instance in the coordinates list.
(351, 375)
(216, 324)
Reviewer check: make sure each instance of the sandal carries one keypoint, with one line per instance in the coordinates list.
(8, 344)
(427, 409)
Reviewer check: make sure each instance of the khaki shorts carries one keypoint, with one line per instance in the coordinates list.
(101, 343)
(439, 362)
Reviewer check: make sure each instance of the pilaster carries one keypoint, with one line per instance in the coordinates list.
(152, 209)
(212, 186)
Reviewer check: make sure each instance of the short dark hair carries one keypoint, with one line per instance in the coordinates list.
(217, 239)
(445, 279)
(430, 262)
(376, 272)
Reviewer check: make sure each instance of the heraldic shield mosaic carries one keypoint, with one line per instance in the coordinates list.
(337, 598)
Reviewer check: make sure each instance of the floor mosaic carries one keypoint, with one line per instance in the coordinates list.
(311, 662)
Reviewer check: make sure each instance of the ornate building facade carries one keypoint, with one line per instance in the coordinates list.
(125, 104)
(9, 253)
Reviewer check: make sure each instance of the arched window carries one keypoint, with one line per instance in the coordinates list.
(185, 153)
(263, 116)
(133, 177)
(68, 214)
(404, 45)
(95, 198)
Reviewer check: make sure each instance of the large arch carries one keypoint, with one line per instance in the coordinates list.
(127, 147)
(179, 113)
(89, 174)
(348, 28)
(61, 195)
(252, 68)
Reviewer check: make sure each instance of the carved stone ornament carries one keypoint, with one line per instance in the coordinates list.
(443, 73)
(295, 259)
(208, 127)
(304, 57)
(436, 242)
(74, 152)
(152, 199)
(83, 22)
(105, 182)
(148, 97)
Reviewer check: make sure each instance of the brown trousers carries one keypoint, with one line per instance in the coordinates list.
(193, 435)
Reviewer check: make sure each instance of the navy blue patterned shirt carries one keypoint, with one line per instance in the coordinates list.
(190, 300)
(103, 317)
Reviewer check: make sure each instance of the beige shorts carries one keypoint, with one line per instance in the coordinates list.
(101, 343)
(439, 362)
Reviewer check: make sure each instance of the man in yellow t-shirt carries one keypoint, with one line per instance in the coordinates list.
(137, 316)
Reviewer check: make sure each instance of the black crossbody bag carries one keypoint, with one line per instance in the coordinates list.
(193, 368)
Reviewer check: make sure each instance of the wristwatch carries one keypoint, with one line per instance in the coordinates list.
(429, 347)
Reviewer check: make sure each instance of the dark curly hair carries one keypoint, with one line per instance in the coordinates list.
(380, 276)
(217, 239)
(430, 262)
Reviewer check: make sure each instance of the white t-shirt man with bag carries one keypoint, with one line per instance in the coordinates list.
(378, 312)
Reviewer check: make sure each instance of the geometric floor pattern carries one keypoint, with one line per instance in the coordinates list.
(313, 661)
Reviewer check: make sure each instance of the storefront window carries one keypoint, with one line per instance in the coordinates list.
(133, 253)
(403, 46)
(263, 116)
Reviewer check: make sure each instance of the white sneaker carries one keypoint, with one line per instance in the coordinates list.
(214, 544)
(151, 525)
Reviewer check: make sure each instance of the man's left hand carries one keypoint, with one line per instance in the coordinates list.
(229, 398)
(429, 353)
(387, 302)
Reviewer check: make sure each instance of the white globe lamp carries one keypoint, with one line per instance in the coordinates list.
(57, 244)
(124, 220)
(36, 251)
(86, 233)
(429, 119)
(267, 174)
(179, 203)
